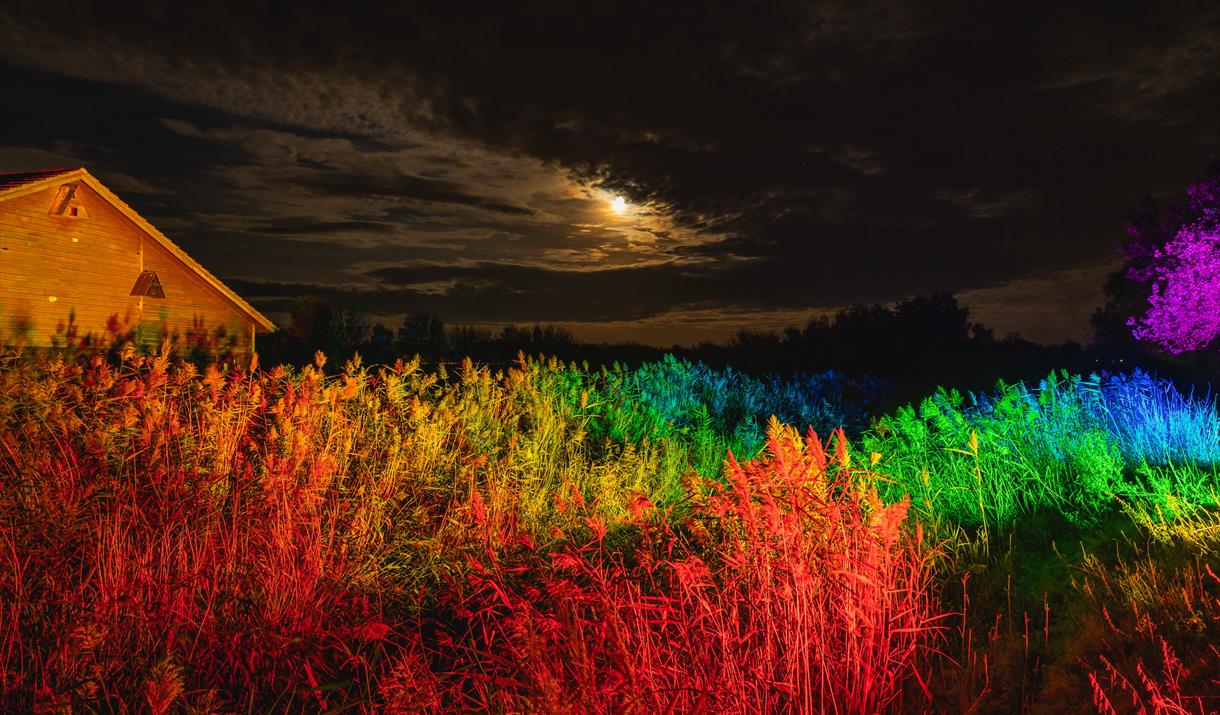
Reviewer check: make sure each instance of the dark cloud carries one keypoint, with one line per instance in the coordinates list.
(506, 293)
(306, 226)
(401, 186)
(784, 155)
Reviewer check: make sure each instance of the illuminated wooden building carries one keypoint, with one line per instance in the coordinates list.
(76, 260)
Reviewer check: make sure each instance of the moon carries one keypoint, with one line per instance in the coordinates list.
(618, 205)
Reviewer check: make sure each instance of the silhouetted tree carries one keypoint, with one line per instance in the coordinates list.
(937, 319)
(311, 320)
(349, 332)
(423, 335)
(380, 348)
(308, 330)
(468, 340)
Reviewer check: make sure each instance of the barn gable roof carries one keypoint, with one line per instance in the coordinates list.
(14, 185)
(9, 181)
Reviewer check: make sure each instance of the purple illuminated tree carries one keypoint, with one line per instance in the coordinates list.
(1184, 308)
(1176, 258)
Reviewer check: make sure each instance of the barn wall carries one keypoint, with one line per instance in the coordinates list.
(89, 266)
(81, 262)
(189, 302)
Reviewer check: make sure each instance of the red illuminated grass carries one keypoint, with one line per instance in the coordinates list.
(263, 541)
(789, 589)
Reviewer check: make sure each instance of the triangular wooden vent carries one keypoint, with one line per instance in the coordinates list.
(66, 203)
(147, 284)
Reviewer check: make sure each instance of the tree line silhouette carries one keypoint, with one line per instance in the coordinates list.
(919, 342)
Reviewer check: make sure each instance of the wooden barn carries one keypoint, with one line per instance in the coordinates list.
(76, 261)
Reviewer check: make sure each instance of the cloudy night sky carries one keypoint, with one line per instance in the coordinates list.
(773, 161)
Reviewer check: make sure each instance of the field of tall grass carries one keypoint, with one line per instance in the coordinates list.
(1070, 445)
(549, 538)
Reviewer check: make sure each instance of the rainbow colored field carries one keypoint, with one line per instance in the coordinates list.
(554, 539)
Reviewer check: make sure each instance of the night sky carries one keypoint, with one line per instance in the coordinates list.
(774, 161)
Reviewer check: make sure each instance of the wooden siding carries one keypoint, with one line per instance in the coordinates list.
(89, 266)
(188, 299)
